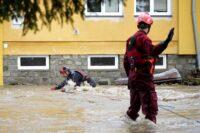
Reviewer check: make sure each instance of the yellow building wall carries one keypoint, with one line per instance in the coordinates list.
(97, 35)
(186, 32)
(1, 55)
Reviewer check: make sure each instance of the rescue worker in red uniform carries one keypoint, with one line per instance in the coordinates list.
(139, 64)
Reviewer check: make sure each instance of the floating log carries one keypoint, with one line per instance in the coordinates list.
(171, 75)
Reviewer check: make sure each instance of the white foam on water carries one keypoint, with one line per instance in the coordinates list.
(172, 95)
(178, 123)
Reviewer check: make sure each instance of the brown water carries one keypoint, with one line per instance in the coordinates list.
(36, 109)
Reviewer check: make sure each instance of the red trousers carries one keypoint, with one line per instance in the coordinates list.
(142, 94)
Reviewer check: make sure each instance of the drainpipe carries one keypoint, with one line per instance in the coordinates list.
(196, 33)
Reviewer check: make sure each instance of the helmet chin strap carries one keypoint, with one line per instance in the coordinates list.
(146, 31)
(149, 28)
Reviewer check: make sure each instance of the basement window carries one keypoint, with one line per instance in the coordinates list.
(103, 62)
(33, 62)
(161, 63)
(103, 8)
(153, 7)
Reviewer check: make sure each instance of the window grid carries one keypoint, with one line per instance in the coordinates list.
(168, 13)
(103, 11)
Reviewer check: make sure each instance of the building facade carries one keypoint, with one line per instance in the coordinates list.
(96, 44)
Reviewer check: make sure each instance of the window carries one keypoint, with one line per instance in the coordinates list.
(153, 7)
(161, 63)
(17, 23)
(33, 62)
(103, 62)
(104, 8)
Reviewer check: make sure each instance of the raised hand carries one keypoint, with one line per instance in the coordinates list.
(170, 35)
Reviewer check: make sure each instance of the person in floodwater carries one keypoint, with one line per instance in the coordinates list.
(76, 76)
(139, 63)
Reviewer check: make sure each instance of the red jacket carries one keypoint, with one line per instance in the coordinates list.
(141, 54)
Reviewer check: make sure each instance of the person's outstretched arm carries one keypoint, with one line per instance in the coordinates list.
(61, 85)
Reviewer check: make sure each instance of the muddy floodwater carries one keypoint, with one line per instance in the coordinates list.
(36, 109)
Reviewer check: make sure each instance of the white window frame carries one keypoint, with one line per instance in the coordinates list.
(152, 13)
(33, 67)
(17, 24)
(164, 65)
(103, 12)
(114, 67)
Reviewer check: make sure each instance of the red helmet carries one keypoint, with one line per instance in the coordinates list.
(64, 70)
(145, 17)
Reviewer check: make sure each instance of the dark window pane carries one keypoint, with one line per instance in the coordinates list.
(159, 61)
(102, 61)
(93, 6)
(142, 5)
(33, 61)
(160, 5)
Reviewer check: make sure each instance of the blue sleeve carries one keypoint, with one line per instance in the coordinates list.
(62, 84)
